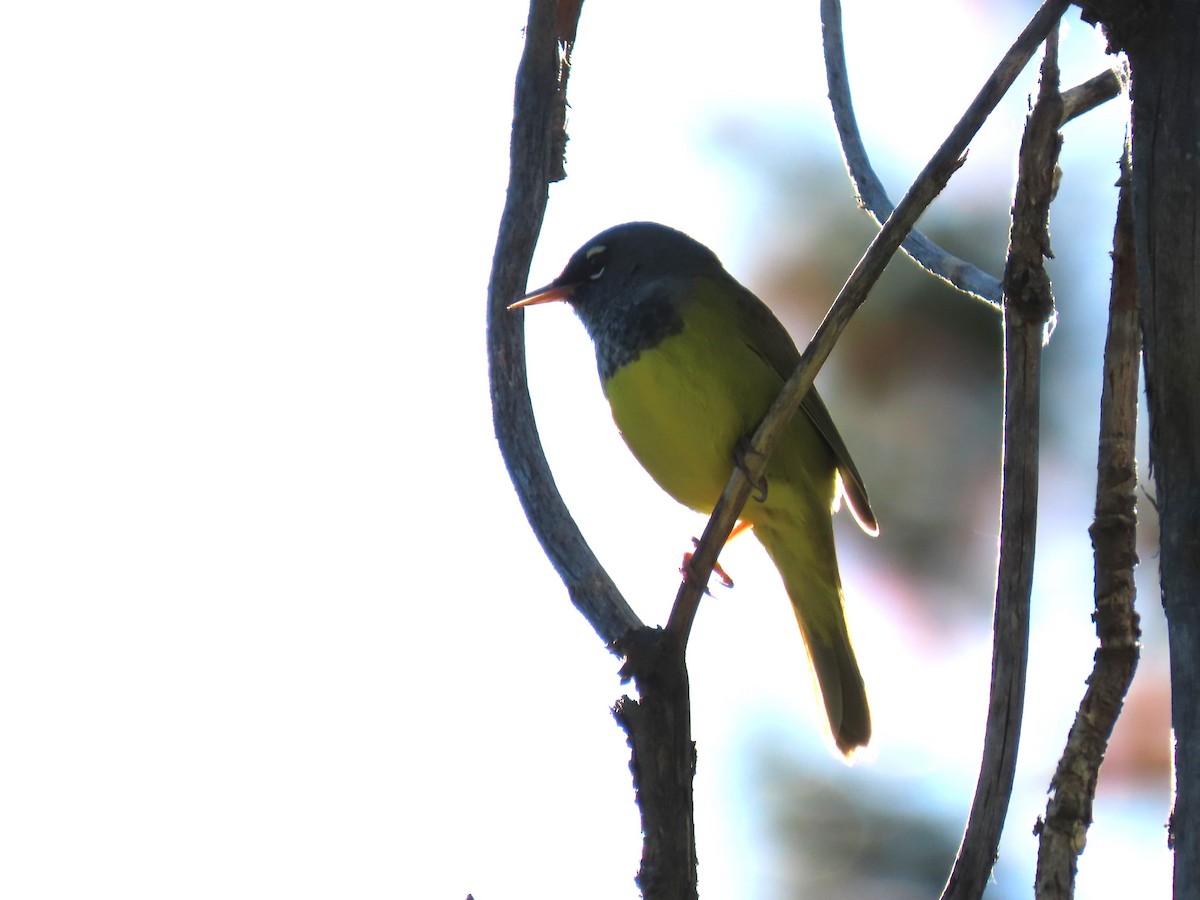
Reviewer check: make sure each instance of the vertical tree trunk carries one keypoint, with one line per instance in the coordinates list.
(1164, 53)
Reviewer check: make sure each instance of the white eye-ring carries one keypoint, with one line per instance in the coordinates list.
(595, 257)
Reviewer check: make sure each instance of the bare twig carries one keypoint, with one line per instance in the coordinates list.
(929, 183)
(1095, 91)
(1114, 542)
(1028, 308)
(535, 160)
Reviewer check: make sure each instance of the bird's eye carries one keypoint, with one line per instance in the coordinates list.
(597, 259)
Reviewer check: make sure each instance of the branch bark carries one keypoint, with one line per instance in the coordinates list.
(1028, 309)
(538, 140)
(1166, 183)
(658, 724)
(1162, 41)
(1114, 542)
(1095, 91)
(663, 764)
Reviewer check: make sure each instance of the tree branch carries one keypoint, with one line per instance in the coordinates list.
(663, 764)
(1114, 543)
(538, 140)
(871, 194)
(659, 723)
(1163, 46)
(1028, 309)
(1083, 98)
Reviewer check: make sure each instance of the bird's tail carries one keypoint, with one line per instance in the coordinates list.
(806, 559)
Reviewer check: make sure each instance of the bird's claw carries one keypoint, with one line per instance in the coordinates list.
(741, 451)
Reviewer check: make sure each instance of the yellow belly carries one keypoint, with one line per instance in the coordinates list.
(683, 406)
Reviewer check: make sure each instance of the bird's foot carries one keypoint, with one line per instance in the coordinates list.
(741, 452)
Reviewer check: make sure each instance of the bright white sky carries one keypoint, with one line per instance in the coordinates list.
(272, 621)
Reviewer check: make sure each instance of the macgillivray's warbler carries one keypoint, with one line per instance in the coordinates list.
(690, 362)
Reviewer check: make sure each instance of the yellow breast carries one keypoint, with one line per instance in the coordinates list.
(683, 405)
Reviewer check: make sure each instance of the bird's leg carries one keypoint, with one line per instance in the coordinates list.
(686, 569)
(741, 450)
(739, 528)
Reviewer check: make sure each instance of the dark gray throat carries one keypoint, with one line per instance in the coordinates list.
(622, 326)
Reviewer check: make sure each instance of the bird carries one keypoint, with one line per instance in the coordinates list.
(690, 361)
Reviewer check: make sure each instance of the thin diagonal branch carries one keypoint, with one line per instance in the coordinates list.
(1114, 543)
(538, 140)
(1028, 309)
(929, 183)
